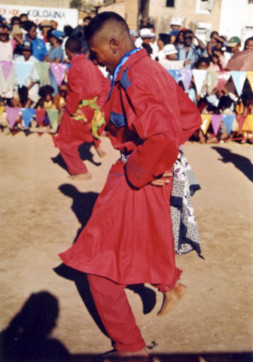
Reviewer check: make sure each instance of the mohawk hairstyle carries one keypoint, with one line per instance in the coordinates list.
(97, 23)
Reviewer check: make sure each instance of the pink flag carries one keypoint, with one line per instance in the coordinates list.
(40, 115)
(58, 70)
(186, 75)
(216, 121)
(12, 115)
(6, 68)
(222, 78)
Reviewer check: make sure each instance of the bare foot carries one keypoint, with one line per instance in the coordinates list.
(80, 176)
(125, 354)
(170, 299)
(100, 152)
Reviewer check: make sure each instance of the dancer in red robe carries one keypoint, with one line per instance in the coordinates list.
(86, 85)
(128, 239)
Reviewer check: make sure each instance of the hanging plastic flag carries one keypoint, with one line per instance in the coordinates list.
(12, 115)
(27, 115)
(248, 123)
(22, 70)
(240, 120)
(228, 120)
(6, 68)
(222, 78)
(186, 75)
(58, 70)
(216, 121)
(176, 74)
(206, 119)
(53, 115)
(199, 76)
(40, 116)
(211, 80)
(42, 69)
(2, 109)
(249, 76)
(239, 80)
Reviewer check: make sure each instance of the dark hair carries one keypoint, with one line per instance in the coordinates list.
(165, 38)
(202, 60)
(87, 18)
(215, 32)
(74, 45)
(225, 102)
(68, 30)
(148, 48)
(46, 89)
(28, 25)
(188, 32)
(97, 23)
(13, 19)
(246, 41)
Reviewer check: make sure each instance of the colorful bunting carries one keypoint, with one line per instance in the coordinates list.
(42, 69)
(206, 119)
(53, 115)
(2, 109)
(186, 75)
(40, 116)
(222, 77)
(22, 70)
(58, 70)
(248, 123)
(250, 79)
(12, 115)
(199, 76)
(6, 68)
(176, 74)
(239, 80)
(211, 80)
(27, 115)
(216, 121)
(228, 120)
(240, 120)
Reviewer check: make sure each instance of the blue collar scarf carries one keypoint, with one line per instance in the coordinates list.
(119, 66)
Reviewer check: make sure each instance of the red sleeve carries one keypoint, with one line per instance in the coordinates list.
(155, 121)
(164, 117)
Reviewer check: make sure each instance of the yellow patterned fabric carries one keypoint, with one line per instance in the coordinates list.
(98, 119)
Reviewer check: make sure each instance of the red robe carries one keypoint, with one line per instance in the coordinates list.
(128, 238)
(85, 81)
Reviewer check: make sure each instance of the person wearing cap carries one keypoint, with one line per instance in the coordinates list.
(170, 61)
(188, 51)
(176, 23)
(55, 53)
(39, 46)
(233, 46)
(31, 81)
(17, 35)
(146, 36)
(45, 26)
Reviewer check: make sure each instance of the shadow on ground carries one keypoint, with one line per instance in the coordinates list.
(242, 163)
(85, 154)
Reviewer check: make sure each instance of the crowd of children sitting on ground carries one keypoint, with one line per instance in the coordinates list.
(23, 41)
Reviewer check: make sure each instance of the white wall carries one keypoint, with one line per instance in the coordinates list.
(236, 19)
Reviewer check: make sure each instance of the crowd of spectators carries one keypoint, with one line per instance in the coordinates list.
(22, 40)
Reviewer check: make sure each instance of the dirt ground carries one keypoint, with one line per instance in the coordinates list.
(42, 211)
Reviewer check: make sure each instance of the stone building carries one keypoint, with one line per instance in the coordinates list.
(202, 16)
